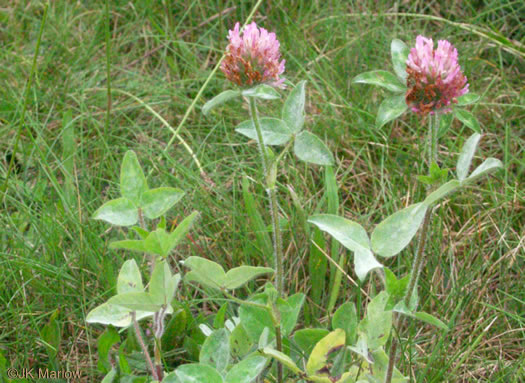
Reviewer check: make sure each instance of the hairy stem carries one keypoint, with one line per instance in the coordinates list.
(143, 346)
(142, 224)
(158, 330)
(156, 345)
(420, 254)
(277, 237)
(158, 360)
(279, 344)
(141, 219)
(392, 356)
(260, 142)
(430, 142)
(277, 240)
(412, 285)
(434, 128)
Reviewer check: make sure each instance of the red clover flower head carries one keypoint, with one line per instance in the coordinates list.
(252, 57)
(435, 79)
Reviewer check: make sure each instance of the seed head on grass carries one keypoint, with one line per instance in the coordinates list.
(252, 57)
(435, 79)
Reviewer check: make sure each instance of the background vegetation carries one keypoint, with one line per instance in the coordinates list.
(161, 52)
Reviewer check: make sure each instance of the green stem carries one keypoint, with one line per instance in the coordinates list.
(279, 344)
(157, 345)
(158, 360)
(430, 142)
(258, 130)
(26, 101)
(141, 219)
(275, 319)
(337, 283)
(392, 356)
(418, 261)
(270, 189)
(434, 128)
(420, 254)
(284, 151)
(241, 302)
(277, 240)
(336, 274)
(142, 224)
(277, 236)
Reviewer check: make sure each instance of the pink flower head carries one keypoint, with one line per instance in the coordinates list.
(435, 78)
(253, 57)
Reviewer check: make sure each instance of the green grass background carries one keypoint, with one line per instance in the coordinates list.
(52, 255)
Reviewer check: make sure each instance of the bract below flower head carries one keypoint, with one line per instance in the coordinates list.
(252, 57)
(435, 79)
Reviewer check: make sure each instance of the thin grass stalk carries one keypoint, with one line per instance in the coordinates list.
(108, 71)
(26, 101)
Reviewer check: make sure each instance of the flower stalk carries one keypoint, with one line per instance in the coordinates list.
(253, 58)
(433, 128)
(277, 236)
(270, 189)
(420, 254)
